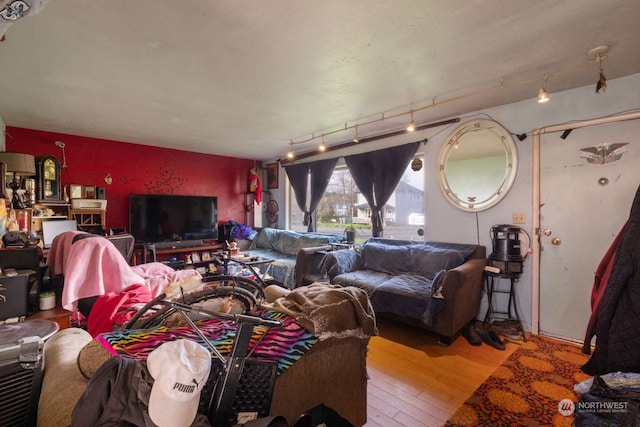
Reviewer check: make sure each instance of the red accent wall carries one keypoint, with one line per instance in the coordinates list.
(142, 169)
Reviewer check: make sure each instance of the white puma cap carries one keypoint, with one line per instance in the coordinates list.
(180, 370)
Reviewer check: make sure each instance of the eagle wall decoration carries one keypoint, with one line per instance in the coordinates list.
(604, 153)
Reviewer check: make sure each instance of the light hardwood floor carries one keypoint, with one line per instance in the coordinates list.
(417, 382)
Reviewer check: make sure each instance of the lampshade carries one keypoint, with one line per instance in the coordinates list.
(19, 163)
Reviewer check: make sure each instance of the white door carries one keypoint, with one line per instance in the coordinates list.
(587, 184)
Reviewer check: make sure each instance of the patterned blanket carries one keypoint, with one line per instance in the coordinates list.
(283, 345)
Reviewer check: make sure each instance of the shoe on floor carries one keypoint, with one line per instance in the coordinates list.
(471, 334)
(493, 339)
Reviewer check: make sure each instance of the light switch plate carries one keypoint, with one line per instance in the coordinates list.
(519, 218)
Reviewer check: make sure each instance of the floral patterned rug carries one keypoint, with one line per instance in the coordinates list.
(527, 388)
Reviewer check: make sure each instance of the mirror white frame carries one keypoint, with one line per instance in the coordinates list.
(477, 165)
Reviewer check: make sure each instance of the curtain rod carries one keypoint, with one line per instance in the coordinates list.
(368, 139)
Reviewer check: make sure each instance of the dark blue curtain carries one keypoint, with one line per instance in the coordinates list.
(315, 176)
(377, 173)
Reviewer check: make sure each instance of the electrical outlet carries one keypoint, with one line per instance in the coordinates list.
(519, 218)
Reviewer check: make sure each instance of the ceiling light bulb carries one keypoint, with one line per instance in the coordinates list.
(411, 126)
(290, 154)
(322, 147)
(601, 84)
(543, 96)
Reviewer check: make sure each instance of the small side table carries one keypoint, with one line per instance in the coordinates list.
(492, 285)
(343, 245)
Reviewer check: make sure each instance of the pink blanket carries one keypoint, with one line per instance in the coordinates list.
(59, 251)
(94, 267)
(162, 278)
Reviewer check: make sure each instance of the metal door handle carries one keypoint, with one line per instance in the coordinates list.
(556, 241)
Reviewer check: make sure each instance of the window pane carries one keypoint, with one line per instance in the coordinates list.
(342, 204)
(404, 214)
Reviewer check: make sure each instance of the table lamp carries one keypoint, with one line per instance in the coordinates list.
(18, 164)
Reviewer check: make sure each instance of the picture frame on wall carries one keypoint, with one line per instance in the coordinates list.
(76, 191)
(89, 192)
(272, 175)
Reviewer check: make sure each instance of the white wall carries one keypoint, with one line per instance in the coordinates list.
(446, 223)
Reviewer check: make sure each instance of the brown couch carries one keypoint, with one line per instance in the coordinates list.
(333, 372)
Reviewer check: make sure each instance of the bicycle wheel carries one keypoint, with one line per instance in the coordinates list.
(156, 313)
(239, 281)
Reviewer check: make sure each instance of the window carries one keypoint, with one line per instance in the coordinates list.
(342, 204)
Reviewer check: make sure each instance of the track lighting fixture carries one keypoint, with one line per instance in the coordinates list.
(597, 55)
(566, 133)
(412, 125)
(322, 147)
(601, 84)
(543, 96)
(290, 154)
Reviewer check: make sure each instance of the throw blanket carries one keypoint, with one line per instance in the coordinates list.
(95, 267)
(283, 345)
(59, 251)
(162, 278)
(330, 311)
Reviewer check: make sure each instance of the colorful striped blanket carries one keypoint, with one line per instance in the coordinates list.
(283, 345)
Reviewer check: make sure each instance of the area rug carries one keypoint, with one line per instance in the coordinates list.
(527, 388)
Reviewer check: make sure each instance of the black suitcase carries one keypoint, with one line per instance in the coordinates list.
(21, 369)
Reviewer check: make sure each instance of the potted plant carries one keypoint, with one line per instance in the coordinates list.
(350, 233)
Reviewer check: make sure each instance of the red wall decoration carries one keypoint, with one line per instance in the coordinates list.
(141, 169)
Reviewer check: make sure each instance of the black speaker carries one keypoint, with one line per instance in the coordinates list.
(101, 193)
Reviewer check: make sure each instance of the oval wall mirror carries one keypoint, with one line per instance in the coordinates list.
(477, 165)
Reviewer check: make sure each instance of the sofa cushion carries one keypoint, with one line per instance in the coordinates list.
(387, 259)
(289, 242)
(429, 260)
(411, 294)
(425, 260)
(363, 279)
(334, 263)
(466, 249)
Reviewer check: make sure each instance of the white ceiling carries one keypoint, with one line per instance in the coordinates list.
(243, 78)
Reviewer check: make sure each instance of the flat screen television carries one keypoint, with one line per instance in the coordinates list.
(169, 220)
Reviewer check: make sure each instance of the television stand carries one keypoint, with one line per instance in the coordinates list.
(178, 244)
(180, 251)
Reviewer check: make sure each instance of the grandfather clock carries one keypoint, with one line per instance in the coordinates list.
(48, 179)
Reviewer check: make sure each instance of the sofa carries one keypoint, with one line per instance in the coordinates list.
(282, 246)
(333, 372)
(433, 285)
(327, 367)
